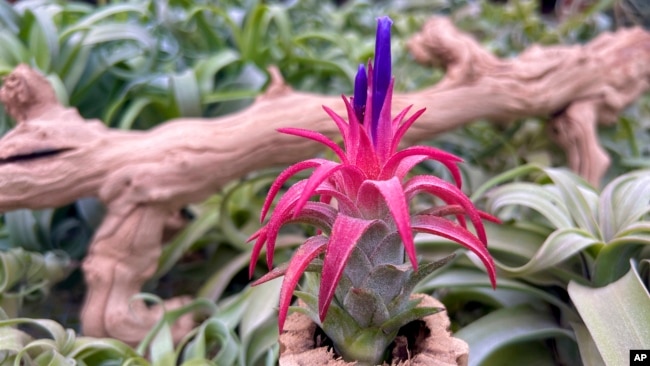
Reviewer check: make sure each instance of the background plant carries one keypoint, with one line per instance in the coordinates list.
(560, 242)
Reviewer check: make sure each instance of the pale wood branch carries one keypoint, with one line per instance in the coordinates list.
(54, 156)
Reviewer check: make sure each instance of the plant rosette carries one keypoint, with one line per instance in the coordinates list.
(361, 266)
(423, 343)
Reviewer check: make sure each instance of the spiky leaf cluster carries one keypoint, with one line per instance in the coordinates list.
(366, 237)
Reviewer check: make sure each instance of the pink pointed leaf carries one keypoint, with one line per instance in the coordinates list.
(340, 123)
(317, 214)
(283, 212)
(344, 237)
(354, 125)
(260, 237)
(321, 174)
(349, 179)
(318, 137)
(393, 193)
(404, 167)
(448, 193)
(400, 116)
(276, 272)
(447, 159)
(452, 231)
(282, 179)
(345, 204)
(488, 217)
(301, 258)
(401, 130)
(367, 159)
(442, 211)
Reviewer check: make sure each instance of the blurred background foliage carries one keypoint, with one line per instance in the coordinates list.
(135, 64)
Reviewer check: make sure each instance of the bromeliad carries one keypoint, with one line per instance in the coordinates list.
(364, 250)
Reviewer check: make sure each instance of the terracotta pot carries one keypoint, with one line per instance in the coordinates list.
(436, 347)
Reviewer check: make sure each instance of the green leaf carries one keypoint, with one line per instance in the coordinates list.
(515, 243)
(261, 305)
(338, 323)
(214, 286)
(366, 307)
(619, 204)
(72, 62)
(187, 95)
(207, 69)
(59, 88)
(27, 274)
(231, 309)
(61, 339)
(8, 17)
(506, 176)
(12, 339)
(264, 341)
(162, 347)
(508, 326)
(101, 14)
(579, 197)
(253, 31)
(558, 247)
(461, 278)
(613, 260)
(218, 97)
(12, 51)
(588, 350)
(131, 113)
(523, 353)
(403, 318)
(617, 316)
(91, 210)
(43, 41)
(545, 201)
(86, 348)
(174, 250)
(25, 228)
(212, 334)
(119, 32)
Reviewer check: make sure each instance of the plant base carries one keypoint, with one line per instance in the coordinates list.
(433, 345)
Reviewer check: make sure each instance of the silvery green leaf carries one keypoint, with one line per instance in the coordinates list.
(506, 326)
(366, 307)
(621, 308)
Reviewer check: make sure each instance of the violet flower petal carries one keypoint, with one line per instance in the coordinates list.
(381, 70)
(360, 93)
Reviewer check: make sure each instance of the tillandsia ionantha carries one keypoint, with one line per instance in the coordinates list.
(363, 254)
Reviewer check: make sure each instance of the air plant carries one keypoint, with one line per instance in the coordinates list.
(363, 253)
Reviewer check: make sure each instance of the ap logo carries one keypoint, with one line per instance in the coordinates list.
(639, 357)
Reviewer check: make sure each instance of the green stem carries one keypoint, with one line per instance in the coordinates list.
(367, 348)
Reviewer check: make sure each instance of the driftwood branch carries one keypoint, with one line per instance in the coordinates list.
(577, 87)
(54, 156)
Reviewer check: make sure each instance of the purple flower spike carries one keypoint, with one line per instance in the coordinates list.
(360, 93)
(381, 71)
